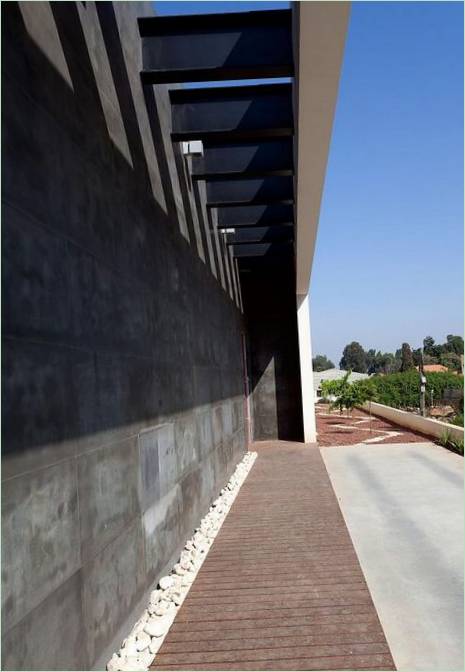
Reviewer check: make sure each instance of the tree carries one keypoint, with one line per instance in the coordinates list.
(351, 396)
(453, 344)
(428, 344)
(322, 363)
(338, 390)
(407, 358)
(367, 391)
(429, 347)
(385, 362)
(348, 395)
(451, 360)
(333, 388)
(354, 358)
(371, 359)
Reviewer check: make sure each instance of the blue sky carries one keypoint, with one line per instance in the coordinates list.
(388, 265)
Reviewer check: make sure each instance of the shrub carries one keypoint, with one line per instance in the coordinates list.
(458, 420)
(402, 390)
(348, 395)
(446, 440)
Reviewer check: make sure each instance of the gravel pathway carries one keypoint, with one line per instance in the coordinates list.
(335, 429)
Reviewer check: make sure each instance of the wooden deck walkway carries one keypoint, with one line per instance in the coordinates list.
(281, 588)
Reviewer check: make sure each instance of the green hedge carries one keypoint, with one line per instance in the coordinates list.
(402, 390)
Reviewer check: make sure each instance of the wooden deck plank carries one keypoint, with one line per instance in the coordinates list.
(281, 587)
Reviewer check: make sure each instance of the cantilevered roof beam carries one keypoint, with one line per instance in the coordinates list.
(279, 250)
(246, 159)
(255, 215)
(230, 114)
(211, 47)
(237, 192)
(262, 234)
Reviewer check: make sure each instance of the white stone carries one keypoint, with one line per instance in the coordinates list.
(130, 647)
(166, 582)
(188, 578)
(143, 641)
(157, 627)
(155, 596)
(176, 583)
(146, 657)
(186, 556)
(114, 663)
(155, 645)
(174, 594)
(132, 664)
(164, 607)
(139, 626)
(175, 597)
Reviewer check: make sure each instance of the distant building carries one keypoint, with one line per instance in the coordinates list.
(434, 368)
(333, 374)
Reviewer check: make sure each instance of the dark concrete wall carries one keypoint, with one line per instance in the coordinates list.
(269, 301)
(122, 377)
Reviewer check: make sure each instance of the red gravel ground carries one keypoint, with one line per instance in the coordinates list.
(330, 434)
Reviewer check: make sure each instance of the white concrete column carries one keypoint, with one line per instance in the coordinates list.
(306, 368)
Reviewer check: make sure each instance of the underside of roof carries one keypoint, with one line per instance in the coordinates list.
(248, 132)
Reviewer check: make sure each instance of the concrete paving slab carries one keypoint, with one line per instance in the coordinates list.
(403, 505)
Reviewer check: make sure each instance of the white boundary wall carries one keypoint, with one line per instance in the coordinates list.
(426, 426)
(306, 368)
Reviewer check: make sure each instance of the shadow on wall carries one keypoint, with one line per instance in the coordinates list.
(112, 325)
(96, 273)
(268, 292)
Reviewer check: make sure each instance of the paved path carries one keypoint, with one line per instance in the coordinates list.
(281, 588)
(403, 505)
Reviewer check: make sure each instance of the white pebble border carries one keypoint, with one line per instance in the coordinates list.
(140, 647)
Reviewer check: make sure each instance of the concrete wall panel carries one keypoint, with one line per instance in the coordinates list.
(187, 443)
(149, 469)
(108, 500)
(51, 636)
(162, 530)
(121, 348)
(205, 430)
(112, 584)
(37, 404)
(167, 458)
(217, 424)
(40, 542)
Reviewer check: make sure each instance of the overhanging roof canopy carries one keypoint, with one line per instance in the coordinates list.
(212, 47)
(259, 153)
(245, 159)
